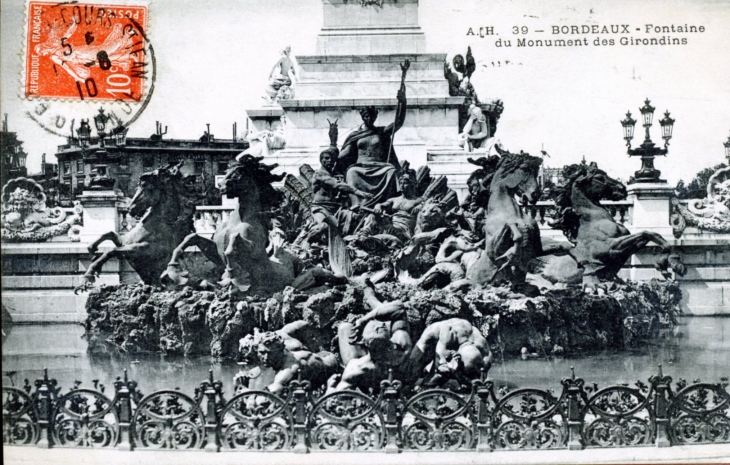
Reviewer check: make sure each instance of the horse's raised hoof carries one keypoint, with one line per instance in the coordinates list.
(86, 286)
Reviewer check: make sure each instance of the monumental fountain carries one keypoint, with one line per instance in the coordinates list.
(365, 301)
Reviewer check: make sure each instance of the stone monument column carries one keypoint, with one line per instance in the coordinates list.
(651, 212)
(357, 64)
(352, 27)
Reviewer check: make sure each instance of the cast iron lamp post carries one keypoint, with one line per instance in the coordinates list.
(727, 149)
(100, 122)
(84, 133)
(647, 150)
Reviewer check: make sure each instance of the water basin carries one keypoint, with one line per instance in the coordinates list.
(698, 349)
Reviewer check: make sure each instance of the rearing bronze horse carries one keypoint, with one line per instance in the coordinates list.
(165, 203)
(602, 245)
(238, 247)
(512, 237)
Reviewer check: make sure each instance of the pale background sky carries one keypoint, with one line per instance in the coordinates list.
(213, 58)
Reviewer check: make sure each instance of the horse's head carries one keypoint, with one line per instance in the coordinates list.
(156, 186)
(595, 183)
(518, 173)
(247, 176)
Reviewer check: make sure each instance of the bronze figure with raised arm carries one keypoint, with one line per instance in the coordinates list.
(367, 155)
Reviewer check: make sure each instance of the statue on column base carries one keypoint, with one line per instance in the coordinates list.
(281, 78)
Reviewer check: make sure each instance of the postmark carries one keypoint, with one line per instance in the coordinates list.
(83, 57)
(86, 51)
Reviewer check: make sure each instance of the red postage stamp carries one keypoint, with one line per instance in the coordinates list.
(86, 51)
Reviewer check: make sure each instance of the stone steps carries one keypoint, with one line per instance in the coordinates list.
(369, 75)
(436, 102)
(371, 41)
(315, 68)
(452, 163)
(363, 71)
(369, 88)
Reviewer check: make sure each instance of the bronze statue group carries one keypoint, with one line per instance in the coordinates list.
(364, 220)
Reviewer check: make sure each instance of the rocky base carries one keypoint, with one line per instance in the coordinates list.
(139, 318)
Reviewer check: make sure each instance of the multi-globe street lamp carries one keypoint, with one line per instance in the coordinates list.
(100, 121)
(647, 150)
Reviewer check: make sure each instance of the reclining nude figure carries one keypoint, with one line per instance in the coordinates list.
(285, 358)
(452, 348)
(376, 342)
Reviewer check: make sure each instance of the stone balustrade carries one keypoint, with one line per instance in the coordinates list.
(207, 218)
(621, 210)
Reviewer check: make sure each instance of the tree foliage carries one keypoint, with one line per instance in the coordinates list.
(697, 187)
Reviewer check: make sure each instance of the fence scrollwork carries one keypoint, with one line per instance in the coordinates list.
(699, 414)
(346, 420)
(256, 420)
(481, 418)
(85, 418)
(20, 419)
(169, 419)
(529, 419)
(618, 416)
(438, 419)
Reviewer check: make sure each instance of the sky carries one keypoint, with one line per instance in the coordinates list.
(213, 58)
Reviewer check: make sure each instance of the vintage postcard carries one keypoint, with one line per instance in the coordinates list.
(374, 231)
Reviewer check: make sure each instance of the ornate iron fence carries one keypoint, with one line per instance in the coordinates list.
(473, 418)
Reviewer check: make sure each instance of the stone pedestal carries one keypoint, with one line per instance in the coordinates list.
(651, 213)
(39, 279)
(267, 118)
(651, 208)
(101, 213)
